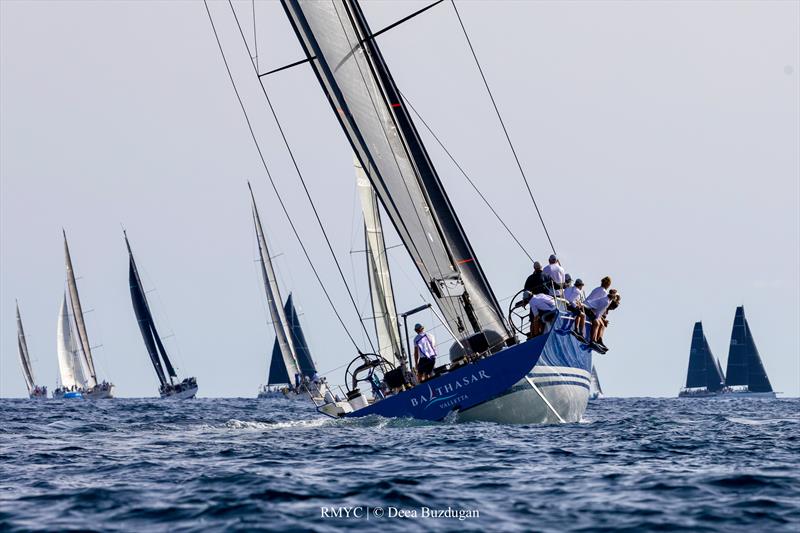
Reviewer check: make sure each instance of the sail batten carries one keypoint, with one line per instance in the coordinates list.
(77, 315)
(25, 358)
(745, 367)
(382, 299)
(368, 105)
(282, 333)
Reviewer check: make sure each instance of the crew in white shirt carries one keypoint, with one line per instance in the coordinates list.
(557, 275)
(540, 304)
(596, 304)
(575, 298)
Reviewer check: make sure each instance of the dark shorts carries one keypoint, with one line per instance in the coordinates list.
(590, 314)
(426, 365)
(574, 309)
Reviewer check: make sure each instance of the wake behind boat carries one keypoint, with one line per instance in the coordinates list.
(155, 348)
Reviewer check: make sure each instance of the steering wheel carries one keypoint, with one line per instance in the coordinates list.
(365, 368)
(519, 315)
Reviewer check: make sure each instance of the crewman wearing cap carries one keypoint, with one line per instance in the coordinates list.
(424, 353)
(556, 274)
(575, 297)
(535, 282)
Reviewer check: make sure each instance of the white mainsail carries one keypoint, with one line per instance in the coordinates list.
(380, 282)
(77, 315)
(69, 360)
(276, 311)
(24, 356)
(595, 390)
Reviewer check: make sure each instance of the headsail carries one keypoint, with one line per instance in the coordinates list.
(367, 103)
(147, 326)
(704, 370)
(77, 314)
(304, 359)
(69, 361)
(25, 359)
(384, 311)
(282, 334)
(744, 362)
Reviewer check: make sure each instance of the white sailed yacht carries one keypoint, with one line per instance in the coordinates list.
(168, 388)
(34, 391)
(75, 357)
(302, 381)
(595, 391)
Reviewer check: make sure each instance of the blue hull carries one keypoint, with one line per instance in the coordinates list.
(68, 395)
(464, 388)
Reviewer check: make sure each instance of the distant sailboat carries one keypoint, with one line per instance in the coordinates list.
(34, 390)
(152, 341)
(595, 390)
(92, 389)
(300, 384)
(71, 376)
(746, 376)
(704, 377)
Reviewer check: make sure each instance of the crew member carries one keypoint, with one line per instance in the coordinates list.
(543, 308)
(424, 353)
(535, 282)
(575, 298)
(554, 275)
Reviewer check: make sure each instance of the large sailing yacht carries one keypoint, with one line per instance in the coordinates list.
(155, 348)
(704, 377)
(745, 374)
(298, 366)
(34, 391)
(74, 357)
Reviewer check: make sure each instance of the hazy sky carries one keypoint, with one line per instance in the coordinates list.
(661, 140)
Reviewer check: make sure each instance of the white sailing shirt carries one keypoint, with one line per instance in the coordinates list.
(598, 300)
(425, 343)
(541, 303)
(574, 295)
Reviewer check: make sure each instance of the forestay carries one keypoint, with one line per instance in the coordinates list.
(77, 313)
(368, 105)
(384, 311)
(282, 333)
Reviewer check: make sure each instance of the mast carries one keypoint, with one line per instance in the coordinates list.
(745, 366)
(147, 326)
(282, 334)
(367, 103)
(704, 370)
(77, 315)
(24, 356)
(69, 361)
(384, 310)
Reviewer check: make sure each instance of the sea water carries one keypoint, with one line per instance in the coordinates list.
(247, 464)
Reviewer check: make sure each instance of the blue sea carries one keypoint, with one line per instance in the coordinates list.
(247, 464)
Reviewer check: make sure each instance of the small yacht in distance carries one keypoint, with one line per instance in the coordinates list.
(71, 355)
(34, 391)
(152, 341)
(704, 377)
(745, 374)
(595, 390)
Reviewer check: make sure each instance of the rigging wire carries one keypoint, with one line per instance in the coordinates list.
(272, 181)
(485, 200)
(300, 175)
(503, 125)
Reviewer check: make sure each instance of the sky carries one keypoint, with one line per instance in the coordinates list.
(661, 140)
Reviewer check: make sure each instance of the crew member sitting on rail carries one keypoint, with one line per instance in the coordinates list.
(575, 298)
(543, 308)
(615, 299)
(595, 305)
(554, 276)
(424, 353)
(535, 282)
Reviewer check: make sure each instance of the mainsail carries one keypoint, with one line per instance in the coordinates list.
(367, 103)
(704, 370)
(282, 333)
(22, 345)
(77, 314)
(69, 360)
(147, 326)
(384, 311)
(744, 362)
